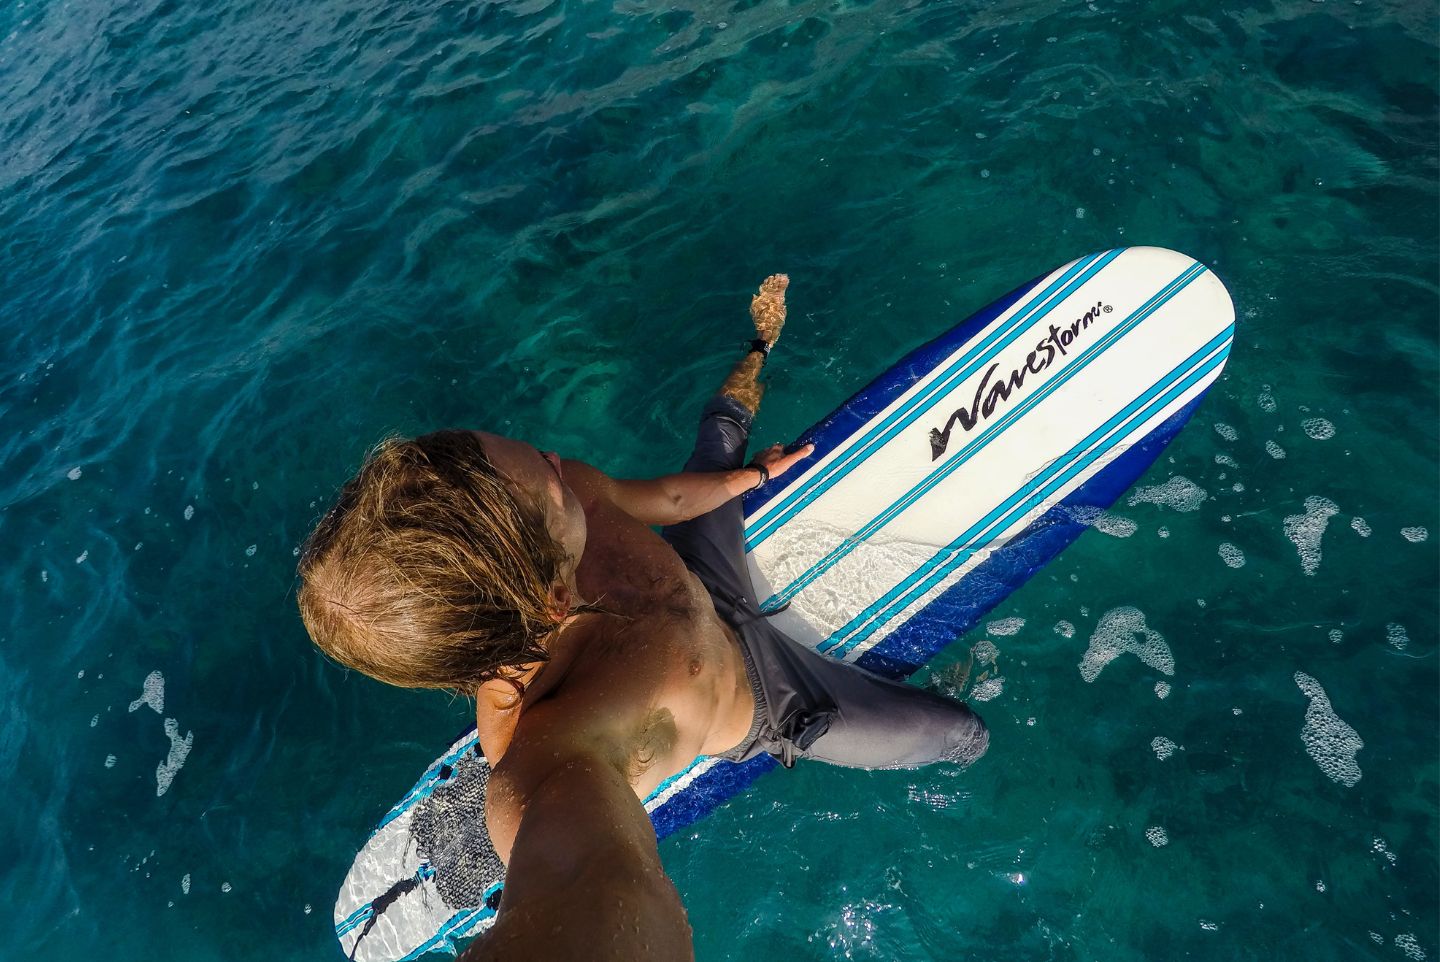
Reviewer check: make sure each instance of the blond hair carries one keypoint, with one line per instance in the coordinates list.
(430, 571)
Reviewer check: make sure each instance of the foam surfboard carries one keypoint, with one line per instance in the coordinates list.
(932, 494)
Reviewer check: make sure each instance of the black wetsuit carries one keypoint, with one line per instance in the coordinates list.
(807, 705)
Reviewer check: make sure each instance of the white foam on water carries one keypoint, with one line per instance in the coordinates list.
(985, 652)
(1225, 461)
(1336, 635)
(1361, 526)
(94, 720)
(83, 555)
(1396, 636)
(1318, 428)
(1103, 521)
(1408, 944)
(109, 761)
(1266, 400)
(1064, 629)
(1319, 885)
(1328, 740)
(250, 551)
(1379, 846)
(166, 771)
(1005, 627)
(1237, 487)
(185, 884)
(1236, 711)
(1274, 450)
(73, 474)
(1162, 690)
(1377, 938)
(189, 511)
(1156, 836)
(1179, 493)
(1414, 535)
(1121, 631)
(1226, 431)
(1163, 531)
(988, 689)
(1306, 530)
(1162, 747)
(152, 693)
(1231, 555)
(1209, 926)
(1114, 525)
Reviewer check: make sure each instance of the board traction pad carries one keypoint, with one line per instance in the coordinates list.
(1148, 332)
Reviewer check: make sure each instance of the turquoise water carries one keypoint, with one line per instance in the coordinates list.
(241, 241)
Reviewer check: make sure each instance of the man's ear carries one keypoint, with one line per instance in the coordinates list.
(561, 600)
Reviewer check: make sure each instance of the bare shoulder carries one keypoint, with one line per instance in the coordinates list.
(587, 481)
(592, 717)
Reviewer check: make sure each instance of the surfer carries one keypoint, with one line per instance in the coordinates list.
(603, 658)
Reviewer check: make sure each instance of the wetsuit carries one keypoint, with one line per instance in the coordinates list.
(807, 705)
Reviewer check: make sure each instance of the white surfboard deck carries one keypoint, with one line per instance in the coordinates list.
(932, 494)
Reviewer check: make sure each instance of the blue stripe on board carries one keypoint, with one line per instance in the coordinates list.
(796, 498)
(840, 551)
(960, 607)
(426, 786)
(856, 413)
(451, 928)
(673, 779)
(355, 918)
(1056, 474)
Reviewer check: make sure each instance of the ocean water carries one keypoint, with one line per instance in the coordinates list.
(241, 241)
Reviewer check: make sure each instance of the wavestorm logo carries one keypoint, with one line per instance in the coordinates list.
(991, 394)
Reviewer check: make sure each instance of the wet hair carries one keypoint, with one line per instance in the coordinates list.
(431, 571)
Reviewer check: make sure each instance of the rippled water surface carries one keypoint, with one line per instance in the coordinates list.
(241, 241)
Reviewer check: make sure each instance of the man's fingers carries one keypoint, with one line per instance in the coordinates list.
(781, 461)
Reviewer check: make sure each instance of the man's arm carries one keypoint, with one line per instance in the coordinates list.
(680, 497)
(584, 880)
(674, 498)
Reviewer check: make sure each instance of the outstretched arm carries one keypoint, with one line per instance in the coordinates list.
(584, 880)
(679, 497)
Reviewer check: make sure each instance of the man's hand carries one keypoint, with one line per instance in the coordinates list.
(775, 460)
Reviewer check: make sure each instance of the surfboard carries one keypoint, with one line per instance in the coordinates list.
(932, 494)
